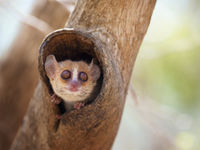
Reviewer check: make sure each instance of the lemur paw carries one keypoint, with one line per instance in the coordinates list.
(78, 105)
(55, 99)
(58, 116)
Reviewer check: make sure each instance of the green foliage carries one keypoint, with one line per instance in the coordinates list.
(168, 70)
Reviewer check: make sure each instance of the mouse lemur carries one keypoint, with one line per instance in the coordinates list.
(72, 81)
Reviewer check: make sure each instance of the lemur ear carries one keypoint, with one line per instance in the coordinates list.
(91, 63)
(50, 66)
(95, 71)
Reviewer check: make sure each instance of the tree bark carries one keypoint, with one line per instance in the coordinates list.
(109, 31)
(18, 71)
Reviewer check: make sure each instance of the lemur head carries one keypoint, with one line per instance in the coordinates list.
(71, 80)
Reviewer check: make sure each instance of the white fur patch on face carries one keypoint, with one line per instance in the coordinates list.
(75, 74)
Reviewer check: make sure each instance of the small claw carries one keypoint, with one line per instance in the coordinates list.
(58, 117)
(55, 99)
(78, 105)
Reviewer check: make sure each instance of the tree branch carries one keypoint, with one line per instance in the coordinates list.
(109, 31)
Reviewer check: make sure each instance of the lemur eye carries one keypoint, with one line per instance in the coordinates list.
(66, 74)
(83, 76)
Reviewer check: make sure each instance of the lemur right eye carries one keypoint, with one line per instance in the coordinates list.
(66, 74)
(83, 76)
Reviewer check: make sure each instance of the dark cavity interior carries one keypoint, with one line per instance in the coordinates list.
(73, 46)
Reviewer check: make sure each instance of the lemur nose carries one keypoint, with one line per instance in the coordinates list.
(74, 86)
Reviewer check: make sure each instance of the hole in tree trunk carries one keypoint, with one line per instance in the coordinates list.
(74, 45)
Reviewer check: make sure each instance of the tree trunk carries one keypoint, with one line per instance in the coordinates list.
(18, 71)
(109, 31)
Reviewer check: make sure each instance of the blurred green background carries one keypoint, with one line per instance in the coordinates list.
(166, 114)
(168, 65)
(166, 80)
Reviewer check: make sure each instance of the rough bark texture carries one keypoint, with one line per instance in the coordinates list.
(18, 71)
(111, 32)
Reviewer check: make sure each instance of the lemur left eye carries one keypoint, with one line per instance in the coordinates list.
(66, 74)
(83, 76)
